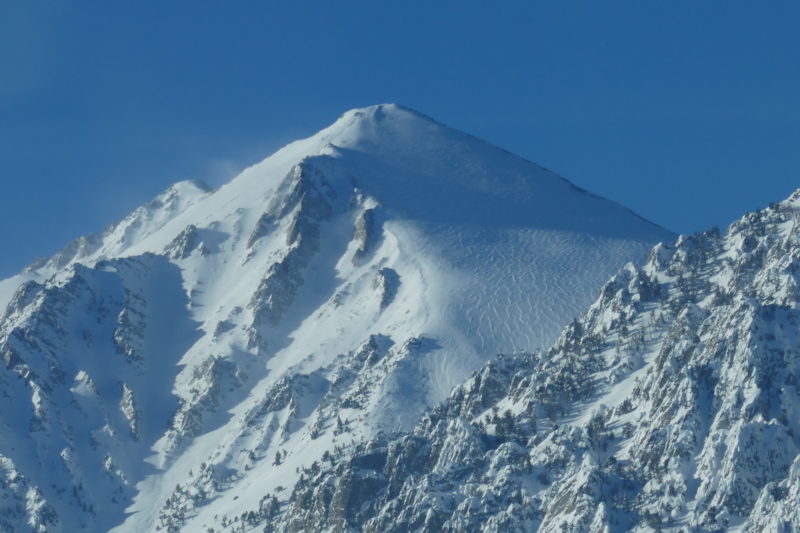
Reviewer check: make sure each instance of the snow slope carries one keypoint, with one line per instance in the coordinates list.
(214, 341)
(672, 404)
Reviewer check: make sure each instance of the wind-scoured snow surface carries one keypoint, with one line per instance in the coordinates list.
(175, 369)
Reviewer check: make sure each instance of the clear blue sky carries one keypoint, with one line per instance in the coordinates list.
(686, 112)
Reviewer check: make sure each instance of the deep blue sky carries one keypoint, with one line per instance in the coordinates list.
(687, 112)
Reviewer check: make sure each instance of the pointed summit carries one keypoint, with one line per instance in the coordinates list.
(335, 290)
(375, 122)
(427, 169)
(391, 128)
(376, 127)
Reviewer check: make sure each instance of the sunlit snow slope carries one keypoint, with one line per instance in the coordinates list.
(212, 342)
(671, 405)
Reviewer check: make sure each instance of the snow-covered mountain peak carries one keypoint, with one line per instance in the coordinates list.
(369, 124)
(334, 290)
(372, 123)
(391, 130)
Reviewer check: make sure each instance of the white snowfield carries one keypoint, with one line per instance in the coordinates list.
(178, 367)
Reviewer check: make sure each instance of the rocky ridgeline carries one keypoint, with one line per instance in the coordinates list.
(81, 422)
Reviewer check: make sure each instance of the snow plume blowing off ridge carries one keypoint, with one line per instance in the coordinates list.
(185, 365)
